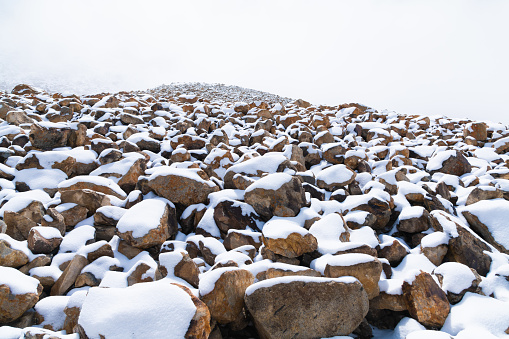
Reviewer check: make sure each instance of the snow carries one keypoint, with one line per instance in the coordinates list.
(406, 269)
(115, 312)
(434, 239)
(327, 231)
(76, 238)
(411, 212)
(48, 232)
(477, 312)
(456, 277)
(391, 286)
(335, 174)
(289, 279)
(112, 212)
(52, 310)
(282, 228)
(270, 182)
(142, 217)
(494, 214)
(23, 199)
(17, 281)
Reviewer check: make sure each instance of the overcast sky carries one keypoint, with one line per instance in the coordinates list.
(415, 57)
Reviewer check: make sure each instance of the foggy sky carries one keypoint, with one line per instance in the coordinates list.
(415, 57)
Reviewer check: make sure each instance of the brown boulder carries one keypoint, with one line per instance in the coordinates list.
(44, 240)
(361, 266)
(222, 290)
(277, 194)
(10, 257)
(182, 186)
(426, 302)
(90, 200)
(414, 219)
(449, 162)
(231, 214)
(20, 222)
(294, 242)
(483, 193)
(68, 277)
(18, 293)
(92, 183)
(306, 307)
(236, 238)
(48, 136)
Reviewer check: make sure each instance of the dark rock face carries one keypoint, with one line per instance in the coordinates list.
(318, 308)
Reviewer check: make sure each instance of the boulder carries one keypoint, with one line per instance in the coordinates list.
(288, 239)
(88, 199)
(47, 135)
(231, 214)
(44, 240)
(335, 177)
(414, 219)
(361, 266)
(18, 293)
(180, 265)
(306, 307)
(68, 277)
(426, 301)
(20, 222)
(150, 222)
(222, 290)
(449, 162)
(93, 183)
(277, 194)
(10, 257)
(181, 186)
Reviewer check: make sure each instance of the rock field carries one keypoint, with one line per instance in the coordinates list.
(212, 211)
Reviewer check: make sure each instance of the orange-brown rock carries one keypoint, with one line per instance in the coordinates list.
(222, 290)
(10, 257)
(426, 302)
(68, 277)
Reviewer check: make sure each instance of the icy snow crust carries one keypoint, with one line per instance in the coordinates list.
(252, 140)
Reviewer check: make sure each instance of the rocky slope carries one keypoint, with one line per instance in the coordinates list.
(198, 211)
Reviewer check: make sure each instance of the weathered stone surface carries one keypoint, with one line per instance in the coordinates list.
(182, 186)
(426, 301)
(290, 307)
(294, 245)
(96, 184)
(222, 290)
(14, 300)
(381, 211)
(44, 243)
(74, 215)
(455, 164)
(284, 199)
(394, 252)
(20, 222)
(90, 200)
(231, 214)
(236, 239)
(49, 136)
(10, 257)
(361, 266)
(385, 301)
(414, 224)
(68, 277)
(483, 193)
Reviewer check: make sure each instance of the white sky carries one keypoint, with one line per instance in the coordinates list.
(416, 57)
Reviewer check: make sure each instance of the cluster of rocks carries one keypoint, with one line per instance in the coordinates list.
(263, 218)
